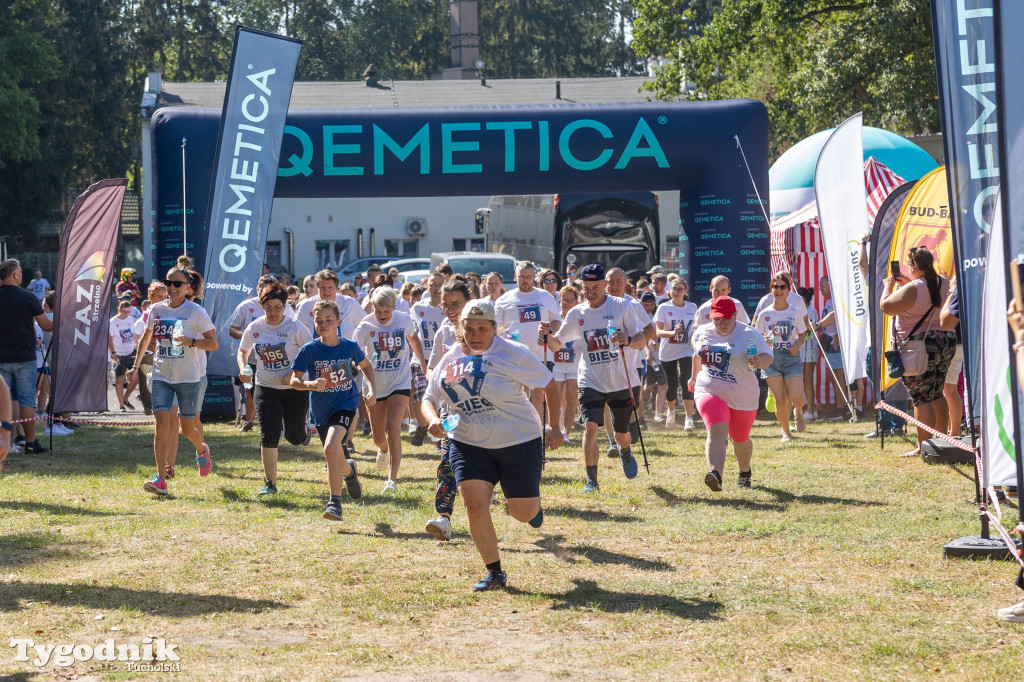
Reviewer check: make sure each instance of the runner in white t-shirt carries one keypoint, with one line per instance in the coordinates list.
(726, 354)
(600, 328)
(121, 339)
(567, 366)
(428, 317)
(484, 381)
(782, 324)
(245, 313)
(720, 287)
(388, 338)
(178, 367)
(327, 290)
(655, 381)
(274, 340)
(676, 320)
(519, 313)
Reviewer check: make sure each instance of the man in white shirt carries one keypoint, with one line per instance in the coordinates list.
(519, 314)
(39, 286)
(616, 280)
(720, 286)
(659, 284)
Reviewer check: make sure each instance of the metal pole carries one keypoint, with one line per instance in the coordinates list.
(835, 380)
(184, 211)
(739, 145)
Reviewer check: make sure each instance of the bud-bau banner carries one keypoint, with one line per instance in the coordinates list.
(964, 32)
(85, 282)
(245, 172)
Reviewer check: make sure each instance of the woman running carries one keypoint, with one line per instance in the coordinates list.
(183, 332)
(454, 297)
(726, 353)
(551, 282)
(654, 379)
(809, 355)
(485, 381)
(276, 340)
(675, 320)
(387, 336)
(325, 366)
(567, 365)
(782, 325)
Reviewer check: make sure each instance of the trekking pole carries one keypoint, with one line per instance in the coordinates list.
(632, 402)
(544, 413)
(849, 406)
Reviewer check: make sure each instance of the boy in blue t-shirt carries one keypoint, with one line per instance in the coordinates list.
(325, 367)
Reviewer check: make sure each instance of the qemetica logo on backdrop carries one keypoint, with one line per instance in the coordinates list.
(149, 655)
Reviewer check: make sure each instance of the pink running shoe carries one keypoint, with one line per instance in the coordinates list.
(203, 461)
(168, 471)
(155, 485)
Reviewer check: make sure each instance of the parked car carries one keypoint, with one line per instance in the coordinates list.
(413, 276)
(406, 264)
(475, 261)
(348, 271)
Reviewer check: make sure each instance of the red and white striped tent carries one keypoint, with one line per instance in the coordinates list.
(796, 247)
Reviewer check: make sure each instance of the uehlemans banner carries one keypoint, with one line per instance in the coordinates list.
(85, 282)
(965, 66)
(248, 151)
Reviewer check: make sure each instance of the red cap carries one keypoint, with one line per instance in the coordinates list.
(722, 307)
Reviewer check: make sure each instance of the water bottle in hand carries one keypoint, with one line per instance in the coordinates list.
(450, 423)
(177, 349)
(514, 335)
(751, 354)
(613, 347)
(247, 378)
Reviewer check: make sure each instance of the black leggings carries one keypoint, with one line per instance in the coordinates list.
(276, 404)
(678, 374)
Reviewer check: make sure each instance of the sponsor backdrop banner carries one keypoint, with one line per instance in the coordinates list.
(471, 151)
(245, 171)
(964, 32)
(843, 214)
(85, 284)
(923, 221)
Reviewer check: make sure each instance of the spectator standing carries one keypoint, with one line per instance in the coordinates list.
(39, 286)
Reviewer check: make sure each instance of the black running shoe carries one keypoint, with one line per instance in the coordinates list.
(538, 520)
(713, 480)
(333, 511)
(34, 448)
(128, 404)
(492, 581)
(417, 438)
(744, 479)
(352, 485)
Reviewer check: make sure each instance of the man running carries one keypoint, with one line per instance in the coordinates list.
(603, 326)
(720, 286)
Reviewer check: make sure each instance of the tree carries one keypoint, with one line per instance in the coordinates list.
(812, 62)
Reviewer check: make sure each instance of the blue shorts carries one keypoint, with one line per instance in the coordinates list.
(21, 378)
(835, 358)
(517, 467)
(784, 365)
(187, 397)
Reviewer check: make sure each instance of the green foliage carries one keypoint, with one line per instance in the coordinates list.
(812, 62)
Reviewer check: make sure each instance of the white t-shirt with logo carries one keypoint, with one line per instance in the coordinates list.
(768, 300)
(704, 312)
(349, 311)
(188, 365)
(444, 339)
(393, 365)
(274, 347)
(428, 319)
(486, 391)
(122, 334)
(599, 369)
(786, 326)
(725, 370)
(516, 311)
(678, 346)
(39, 287)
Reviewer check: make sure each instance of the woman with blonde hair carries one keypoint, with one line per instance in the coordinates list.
(782, 325)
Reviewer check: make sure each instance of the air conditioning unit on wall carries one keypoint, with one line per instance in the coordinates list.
(416, 227)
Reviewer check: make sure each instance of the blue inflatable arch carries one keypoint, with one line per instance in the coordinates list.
(461, 151)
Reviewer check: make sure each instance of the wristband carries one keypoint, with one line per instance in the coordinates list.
(7, 425)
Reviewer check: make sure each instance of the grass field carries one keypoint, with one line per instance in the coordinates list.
(830, 567)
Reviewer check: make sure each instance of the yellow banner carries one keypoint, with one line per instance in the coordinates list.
(923, 221)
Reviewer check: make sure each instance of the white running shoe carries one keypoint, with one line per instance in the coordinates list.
(440, 528)
(785, 438)
(810, 416)
(390, 487)
(658, 419)
(1014, 613)
(688, 424)
(54, 431)
(383, 461)
(670, 419)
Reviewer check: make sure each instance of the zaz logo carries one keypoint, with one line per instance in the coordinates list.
(88, 283)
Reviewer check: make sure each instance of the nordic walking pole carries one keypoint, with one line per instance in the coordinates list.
(632, 402)
(184, 211)
(849, 406)
(544, 415)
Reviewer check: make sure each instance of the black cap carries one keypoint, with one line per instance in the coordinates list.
(592, 272)
(648, 297)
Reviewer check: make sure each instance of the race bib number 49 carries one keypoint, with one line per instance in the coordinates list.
(529, 313)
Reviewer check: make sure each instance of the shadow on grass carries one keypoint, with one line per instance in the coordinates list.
(783, 500)
(172, 604)
(57, 509)
(385, 530)
(31, 548)
(576, 553)
(588, 514)
(587, 594)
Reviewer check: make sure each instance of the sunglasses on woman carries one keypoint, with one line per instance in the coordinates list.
(551, 281)
(779, 286)
(176, 283)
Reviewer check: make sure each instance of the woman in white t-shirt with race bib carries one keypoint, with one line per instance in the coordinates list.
(676, 321)
(782, 325)
(726, 354)
(179, 366)
(387, 336)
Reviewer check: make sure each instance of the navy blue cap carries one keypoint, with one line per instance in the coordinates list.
(592, 272)
(648, 297)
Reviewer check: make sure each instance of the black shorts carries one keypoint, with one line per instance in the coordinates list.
(516, 467)
(678, 373)
(277, 405)
(592, 404)
(407, 392)
(124, 363)
(342, 418)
